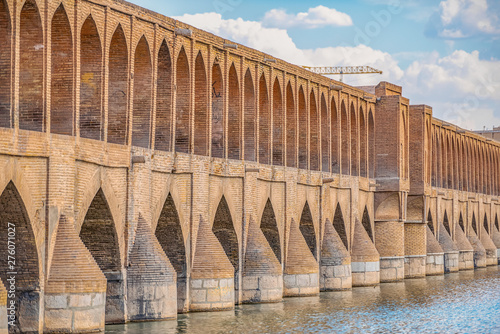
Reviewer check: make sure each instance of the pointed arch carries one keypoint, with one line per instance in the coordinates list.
(474, 225)
(14, 215)
(31, 104)
(163, 133)
(325, 136)
(446, 223)
(367, 224)
(223, 229)
(307, 229)
(371, 144)
(5, 66)
(449, 163)
(218, 121)
(278, 125)
(363, 166)
(335, 154)
(91, 115)
(314, 143)
(485, 224)
(118, 88)
(201, 121)
(303, 130)
(250, 118)
(182, 107)
(169, 234)
(269, 227)
(264, 122)
(234, 116)
(354, 142)
(430, 222)
(291, 128)
(496, 223)
(61, 91)
(339, 225)
(143, 95)
(461, 222)
(345, 139)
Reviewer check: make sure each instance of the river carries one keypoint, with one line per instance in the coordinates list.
(463, 302)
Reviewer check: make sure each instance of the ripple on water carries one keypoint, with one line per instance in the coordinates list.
(464, 302)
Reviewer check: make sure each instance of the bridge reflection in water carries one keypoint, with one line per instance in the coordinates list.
(464, 302)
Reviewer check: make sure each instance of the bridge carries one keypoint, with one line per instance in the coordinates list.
(146, 172)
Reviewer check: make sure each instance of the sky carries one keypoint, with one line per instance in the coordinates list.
(445, 54)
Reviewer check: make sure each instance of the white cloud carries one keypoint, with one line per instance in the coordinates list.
(464, 18)
(315, 17)
(461, 87)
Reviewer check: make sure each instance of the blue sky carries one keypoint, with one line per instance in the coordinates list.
(444, 53)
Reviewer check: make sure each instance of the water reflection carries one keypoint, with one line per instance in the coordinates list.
(463, 302)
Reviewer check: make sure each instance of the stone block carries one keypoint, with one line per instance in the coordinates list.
(358, 267)
(58, 320)
(89, 320)
(198, 295)
(289, 280)
(250, 283)
(303, 281)
(196, 284)
(210, 283)
(372, 266)
(268, 282)
(56, 301)
(78, 301)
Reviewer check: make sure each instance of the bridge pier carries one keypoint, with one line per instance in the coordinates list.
(415, 250)
(389, 240)
(479, 250)
(435, 256)
(466, 252)
(496, 241)
(365, 260)
(490, 248)
(451, 252)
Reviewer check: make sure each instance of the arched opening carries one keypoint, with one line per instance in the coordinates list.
(335, 138)
(218, 147)
(143, 84)
(302, 130)
(264, 122)
(183, 95)
(234, 119)
(314, 142)
(430, 223)
(461, 222)
(31, 109)
(435, 155)
(61, 89)
(446, 223)
(367, 223)
(278, 125)
(307, 229)
(325, 136)
(474, 225)
(5, 66)
(496, 223)
(118, 88)
(223, 229)
(250, 118)
(371, 145)
(91, 116)
(339, 225)
(291, 128)
(15, 227)
(354, 142)
(169, 235)
(449, 163)
(345, 138)
(269, 227)
(99, 235)
(485, 224)
(444, 163)
(163, 133)
(363, 167)
(201, 124)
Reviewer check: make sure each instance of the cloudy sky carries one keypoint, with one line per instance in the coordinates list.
(445, 54)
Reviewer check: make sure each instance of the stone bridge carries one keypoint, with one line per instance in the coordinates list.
(149, 168)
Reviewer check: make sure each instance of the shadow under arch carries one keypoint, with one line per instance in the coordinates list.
(269, 227)
(307, 228)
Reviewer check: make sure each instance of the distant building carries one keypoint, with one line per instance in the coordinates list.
(493, 134)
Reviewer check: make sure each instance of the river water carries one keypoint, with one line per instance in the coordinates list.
(463, 302)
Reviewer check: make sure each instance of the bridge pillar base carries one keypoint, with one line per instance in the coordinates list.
(365, 273)
(392, 269)
(151, 301)
(479, 251)
(335, 278)
(115, 298)
(262, 289)
(451, 262)
(434, 264)
(74, 312)
(415, 266)
(212, 294)
(498, 256)
(466, 260)
(182, 300)
(296, 285)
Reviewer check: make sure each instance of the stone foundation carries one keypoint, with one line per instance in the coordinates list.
(491, 257)
(434, 264)
(498, 256)
(392, 269)
(415, 266)
(451, 260)
(182, 302)
(335, 278)
(365, 273)
(74, 313)
(212, 294)
(115, 298)
(3, 319)
(262, 289)
(466, 260)
(300, 285)
(152, 301)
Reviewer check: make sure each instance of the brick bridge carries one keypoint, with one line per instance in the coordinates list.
(149, 171)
